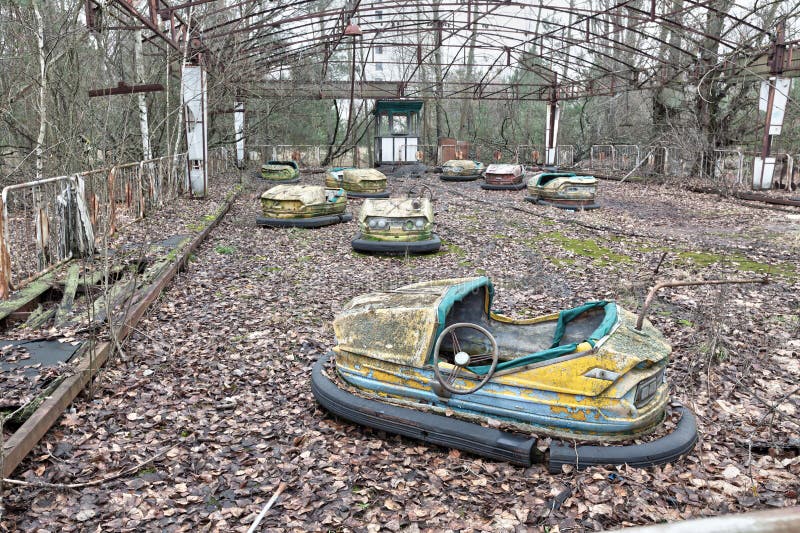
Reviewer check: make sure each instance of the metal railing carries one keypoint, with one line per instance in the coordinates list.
(565, 155)
(422, 153)
(529, 154)
(46, 222)
(602, 157)
(305, 155)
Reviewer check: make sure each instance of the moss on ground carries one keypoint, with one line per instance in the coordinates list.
(742, 263)
(589, 248)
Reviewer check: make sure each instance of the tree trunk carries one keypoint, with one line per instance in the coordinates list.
(709, 96)
(660, 115)
(42, 89)
(143, 123)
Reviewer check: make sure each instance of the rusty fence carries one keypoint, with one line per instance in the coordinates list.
(427, 154)
(47, 222)
(306, 156)
(724, 167)
(730, 166)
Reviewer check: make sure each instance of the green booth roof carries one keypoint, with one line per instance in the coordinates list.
(397, 106)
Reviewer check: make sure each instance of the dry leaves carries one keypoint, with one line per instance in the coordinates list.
(221, 367)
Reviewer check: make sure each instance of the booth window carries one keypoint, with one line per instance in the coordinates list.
(399, 124)
(383, 128)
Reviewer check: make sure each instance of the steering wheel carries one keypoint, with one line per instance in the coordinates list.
(424, 190)
(462, 359)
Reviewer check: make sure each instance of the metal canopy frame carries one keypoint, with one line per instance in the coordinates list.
(525, 50)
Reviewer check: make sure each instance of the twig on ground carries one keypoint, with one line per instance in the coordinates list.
(267, 507)
(65, 486)
(665, 284)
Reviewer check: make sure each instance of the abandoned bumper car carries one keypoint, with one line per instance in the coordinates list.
(281, 171)
(564, 190)
(396, 226)
(358, 182)
(302, 206)
(503, 177)
(432, 362)
(461, 170)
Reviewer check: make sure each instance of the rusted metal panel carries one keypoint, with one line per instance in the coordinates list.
(123, 88)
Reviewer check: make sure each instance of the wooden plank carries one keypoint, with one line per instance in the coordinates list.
(767, 199)
(28, 435)
(25, 438)
(70, 287)
(751, 196)
(39, 316)
(27, 295)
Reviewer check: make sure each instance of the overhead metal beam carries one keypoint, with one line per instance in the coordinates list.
(123, 88)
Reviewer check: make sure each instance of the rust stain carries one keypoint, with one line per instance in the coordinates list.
(5, 258)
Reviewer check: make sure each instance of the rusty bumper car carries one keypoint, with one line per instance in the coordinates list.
(396, 226)
(281, 171)
(565, 190)
(431, 361)
(302, 206)
(358, 182)
(502, 177)
(461, 170)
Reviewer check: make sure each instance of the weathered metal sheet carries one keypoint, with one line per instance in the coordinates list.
(302, 201)
(396, 219)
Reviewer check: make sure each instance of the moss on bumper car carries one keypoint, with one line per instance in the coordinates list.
(433, 362)
(396, 225)
(358, 182)
(461, 170)
(281, 171)
(303, 206)
(564, 190)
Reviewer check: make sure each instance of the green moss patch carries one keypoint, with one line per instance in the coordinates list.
(742, 263)
(589, 248)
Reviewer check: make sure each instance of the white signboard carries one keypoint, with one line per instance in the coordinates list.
(763, 181)
(550, 153)
(238, 128)
(194, 113)
(782, 86)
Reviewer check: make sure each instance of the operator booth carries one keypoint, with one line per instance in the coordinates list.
(397, 125)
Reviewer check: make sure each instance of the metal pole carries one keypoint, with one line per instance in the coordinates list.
(775, 68)
(352, 93)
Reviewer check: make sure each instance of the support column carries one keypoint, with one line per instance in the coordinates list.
(551, 130)
(773, 103)
(193, 79)
(238, 129)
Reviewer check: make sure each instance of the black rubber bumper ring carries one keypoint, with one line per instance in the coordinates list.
(313, 222)
(514, 187)
(568, 207)
(384, 194)
(435, 429)
(469, 177)
(397, 247)
(658, 452)
(280, 182)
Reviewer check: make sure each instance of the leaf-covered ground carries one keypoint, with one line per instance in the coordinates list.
(218, 374)
(133, 249)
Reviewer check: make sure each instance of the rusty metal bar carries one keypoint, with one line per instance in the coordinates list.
(5, 257)
(666, 284)
(123, 88)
